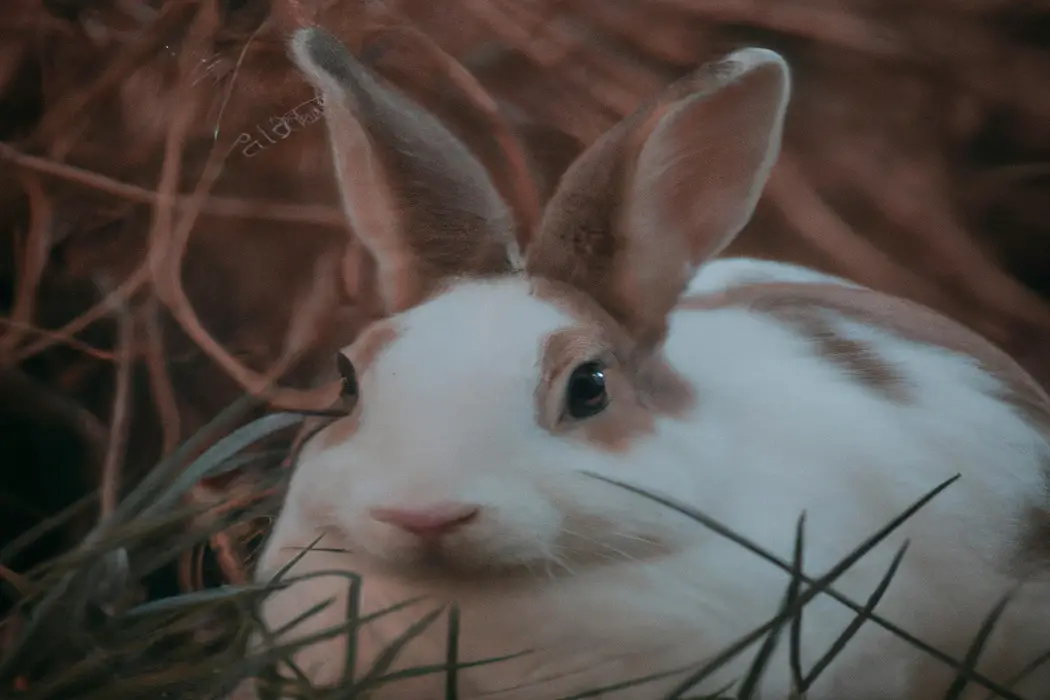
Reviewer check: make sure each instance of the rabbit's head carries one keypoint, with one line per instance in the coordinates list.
(507, 371)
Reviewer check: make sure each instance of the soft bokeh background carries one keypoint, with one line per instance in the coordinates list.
(170, 237)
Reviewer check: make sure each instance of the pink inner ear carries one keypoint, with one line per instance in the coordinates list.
(666, 189)
(703, 167)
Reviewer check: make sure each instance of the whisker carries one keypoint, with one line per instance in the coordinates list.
(683, 585)
(620, 555)
(563, 562)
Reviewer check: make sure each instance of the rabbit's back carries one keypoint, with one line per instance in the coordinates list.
(846, 412)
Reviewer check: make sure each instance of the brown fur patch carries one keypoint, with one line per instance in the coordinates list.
(625, 417)
(919, 324)
(662, 191)
(858, 360)
(363, 353)
(1035, 547)
(903, 318)
(341, 429)
(371, 343)
(641, 384)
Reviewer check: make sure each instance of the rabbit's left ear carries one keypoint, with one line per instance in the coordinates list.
(665, 190)
(415, 195)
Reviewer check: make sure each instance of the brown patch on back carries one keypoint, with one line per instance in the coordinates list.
(919, 324)
(901, 317)
(641, 384)
(858, 360)
(363, 353)
(1035, 547)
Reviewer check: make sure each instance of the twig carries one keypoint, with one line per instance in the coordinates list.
(551, 50)
(610, 77)
(168, 246)
(815, 222)
(840, 26)
(222, 545)
(120, 416)
(159, 378)
(58, 123)
(89, 350)
(34, 261)
(959, 259)
(64, 334)
(316, 215)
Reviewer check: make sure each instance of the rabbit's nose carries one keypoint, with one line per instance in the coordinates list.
(427, 521)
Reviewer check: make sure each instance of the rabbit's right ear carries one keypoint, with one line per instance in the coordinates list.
(666, 189)
(415, 195)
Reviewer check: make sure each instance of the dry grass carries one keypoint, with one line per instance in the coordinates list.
(172, 242)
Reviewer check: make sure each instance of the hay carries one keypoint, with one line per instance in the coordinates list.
(172, 241)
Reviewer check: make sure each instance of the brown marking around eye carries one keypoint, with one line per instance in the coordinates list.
(342, 429)
(641, 385)
(363, 353)
(370, 345)
(623, 419)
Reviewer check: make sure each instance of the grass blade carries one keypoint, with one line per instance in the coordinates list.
(795, 634)
(353, 615)
(973, 653)
(196, 598)
(1028, 668)
(18, 545)
(315, 609)
(856, 607)
(452, 655)
(623, 685)
(290, 564)
(216, 455)
(167, 467)
(431, 669)
(389, 655)
(854, 626)
(749, 685)
(391, 609)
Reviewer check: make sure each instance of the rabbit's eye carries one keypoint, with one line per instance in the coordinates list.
(585, 395)
(349, 375)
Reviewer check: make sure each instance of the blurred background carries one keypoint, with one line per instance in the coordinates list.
(170, 237)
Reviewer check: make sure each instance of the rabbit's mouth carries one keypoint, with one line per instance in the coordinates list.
(570, 555)
(434, 562)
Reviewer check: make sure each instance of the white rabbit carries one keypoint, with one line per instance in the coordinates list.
(507, 374)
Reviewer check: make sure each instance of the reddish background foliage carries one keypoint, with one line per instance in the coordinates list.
(171, 238)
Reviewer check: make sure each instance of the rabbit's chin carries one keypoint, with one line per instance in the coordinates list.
(450, 559)
(469, 560)
(437, 562)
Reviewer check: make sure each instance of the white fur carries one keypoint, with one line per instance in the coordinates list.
(731, 272)
(448, 415)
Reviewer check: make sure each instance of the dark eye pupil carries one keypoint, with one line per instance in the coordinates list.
(349, 375)
(585, 394)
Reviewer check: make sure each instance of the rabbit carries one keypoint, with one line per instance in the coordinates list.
(502, 414)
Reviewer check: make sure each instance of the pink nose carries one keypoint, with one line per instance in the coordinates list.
(427, 521)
